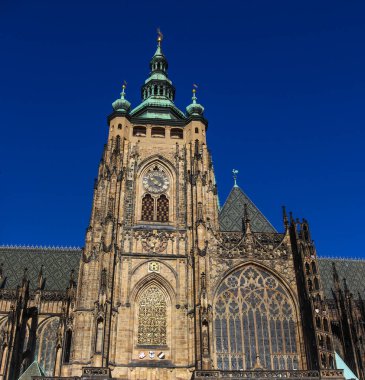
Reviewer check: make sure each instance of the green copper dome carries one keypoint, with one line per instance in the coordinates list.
(194, 108)
(157, 92)
(122, 104)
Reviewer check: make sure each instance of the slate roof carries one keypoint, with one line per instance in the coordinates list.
(352, 270)
(57, 262)
(231, 214)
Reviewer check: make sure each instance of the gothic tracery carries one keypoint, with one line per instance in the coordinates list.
(254, 316)
(46, 346)
(152, 317)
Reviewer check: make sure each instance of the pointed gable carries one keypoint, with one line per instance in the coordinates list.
(32, 371)
(231, 214)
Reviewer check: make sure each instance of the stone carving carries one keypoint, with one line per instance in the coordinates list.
(154, 241)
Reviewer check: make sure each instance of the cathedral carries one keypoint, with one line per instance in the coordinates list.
(171, 286)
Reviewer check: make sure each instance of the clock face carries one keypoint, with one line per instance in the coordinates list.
(156, 182)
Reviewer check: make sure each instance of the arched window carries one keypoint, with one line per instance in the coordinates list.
(176, 133)
(196, 130)
(68, 342)
(254, 315)
(46, 346)
(314, 268)
(162, 209)
(158, 132)
(147, 208)
(99, 335)
(139, 131)
(152, 317)
(316, 283)
(318, 322)
(307, 268)
(325, 324)
(328, 343)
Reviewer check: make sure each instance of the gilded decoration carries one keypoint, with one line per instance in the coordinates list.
(152, 317)
(254, 318)
(154, 266)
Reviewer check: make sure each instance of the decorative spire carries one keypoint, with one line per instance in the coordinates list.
(25, 276)
(122, 104)
(40, 278)
(72, 278)
(285, 218)
(157, 86)
(246, 217)
(336, 278)
(234, 174)
(194, 109)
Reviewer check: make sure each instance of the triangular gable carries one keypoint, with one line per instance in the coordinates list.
(31, 371)
(340, 364)
(231, 214)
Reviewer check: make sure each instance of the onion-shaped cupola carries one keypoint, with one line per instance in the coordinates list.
(122, 104)
(158, 93)
(158, 86)
(194, 109)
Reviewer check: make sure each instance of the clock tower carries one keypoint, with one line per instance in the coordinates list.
(140, 296)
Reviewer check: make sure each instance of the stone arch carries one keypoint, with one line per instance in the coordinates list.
(154, 159)
(266, 269)
(46, 346)
(135, 269)
(146, 204)
(156, 278)
(153, 313)
(174, 294)
(255, 315)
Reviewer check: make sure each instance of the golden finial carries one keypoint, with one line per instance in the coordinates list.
(159, 36)
(124, 85)
(195, 86)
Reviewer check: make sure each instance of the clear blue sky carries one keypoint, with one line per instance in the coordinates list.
(282, 82)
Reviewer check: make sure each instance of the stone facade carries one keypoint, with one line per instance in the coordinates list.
(162, 291)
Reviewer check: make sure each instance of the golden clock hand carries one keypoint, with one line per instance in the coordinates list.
(154, 180)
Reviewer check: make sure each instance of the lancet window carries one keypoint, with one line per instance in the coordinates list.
(162, 209)
(152, 317)
(148, 208)
(254, 318)
(46, 346)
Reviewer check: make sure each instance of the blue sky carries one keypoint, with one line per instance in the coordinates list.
(282, 84)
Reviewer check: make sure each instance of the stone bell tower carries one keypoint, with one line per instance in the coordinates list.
(140, 296)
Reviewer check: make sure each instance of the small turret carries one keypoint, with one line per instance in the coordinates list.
(194, 109)
(122, 104)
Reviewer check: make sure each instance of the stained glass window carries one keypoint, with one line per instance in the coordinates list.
(152, 316)
(162, 209)
(254, 316)
(147, 208)
(46, 346)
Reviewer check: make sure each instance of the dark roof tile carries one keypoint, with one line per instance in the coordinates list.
(231, 214)
(57, 262)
